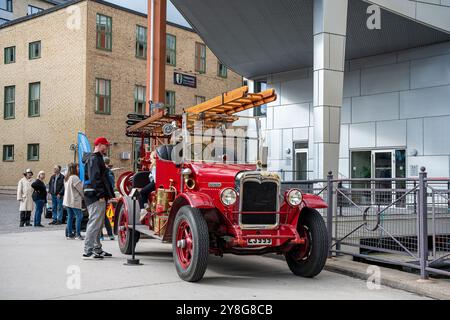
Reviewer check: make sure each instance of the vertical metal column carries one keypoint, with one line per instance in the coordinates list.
(423, 224)
(330, 211)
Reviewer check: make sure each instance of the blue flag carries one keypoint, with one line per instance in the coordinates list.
(83, 147)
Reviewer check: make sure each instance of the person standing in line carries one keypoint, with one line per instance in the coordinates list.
(25, 198)
(97, 192)
(73, 201)
(56, 189)
(111, 179)
(39, 198)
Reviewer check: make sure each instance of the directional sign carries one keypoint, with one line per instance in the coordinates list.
(136, 116)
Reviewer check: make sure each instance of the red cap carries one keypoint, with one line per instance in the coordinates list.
(101, 140)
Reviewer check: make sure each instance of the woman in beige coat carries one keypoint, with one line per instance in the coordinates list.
(73, 200)
(25, 198)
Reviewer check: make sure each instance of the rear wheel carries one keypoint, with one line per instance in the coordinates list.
(124, 233)
(308, 260)
(190, 244)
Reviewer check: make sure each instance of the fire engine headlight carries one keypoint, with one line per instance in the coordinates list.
(228, 196)
(294, 197)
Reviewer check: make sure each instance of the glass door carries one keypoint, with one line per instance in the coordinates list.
(383, 161)
(301, 161)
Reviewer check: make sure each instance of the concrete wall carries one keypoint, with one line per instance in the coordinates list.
(397, 100)
(61, 71)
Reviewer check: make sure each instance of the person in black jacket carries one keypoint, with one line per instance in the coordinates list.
(97, 192)
(56, 189)
(39, 197)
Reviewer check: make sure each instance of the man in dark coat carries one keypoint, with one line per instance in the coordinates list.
(97, 192)
(56, 189)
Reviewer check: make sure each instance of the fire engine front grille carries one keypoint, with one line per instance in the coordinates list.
(259, 197)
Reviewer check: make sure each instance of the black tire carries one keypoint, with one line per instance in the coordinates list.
(314, 261)
(126, 246)
(200, 240)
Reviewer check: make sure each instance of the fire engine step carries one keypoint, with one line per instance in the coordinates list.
(141, 228)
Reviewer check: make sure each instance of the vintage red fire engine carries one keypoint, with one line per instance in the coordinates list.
(213, 194)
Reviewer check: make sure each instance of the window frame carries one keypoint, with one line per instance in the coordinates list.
(171, 108)
(29, 146)
(5, 148)
(33, 7)
(13, 102)
(108, 32)
(198, 97)
(138, 42)
(9, 6)
(30, 45)
(99, 95)
(137, 101)
(38, 113)
(5, 55)
(200, 59)
(171, 51)
(224, 76)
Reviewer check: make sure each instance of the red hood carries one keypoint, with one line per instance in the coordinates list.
(218, 172)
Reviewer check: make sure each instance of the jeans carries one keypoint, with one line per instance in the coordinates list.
(71, 212)
(94, 227)
(57, 208)
(38, 212)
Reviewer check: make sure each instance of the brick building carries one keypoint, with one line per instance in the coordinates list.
(81, 66)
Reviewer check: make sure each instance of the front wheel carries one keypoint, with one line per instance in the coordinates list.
(307, 260)
(190, 244)
(124, 233)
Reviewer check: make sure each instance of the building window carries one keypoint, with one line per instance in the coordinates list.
(35, 50)
(139, 99)
(8, 153)
(141, 42)
(33, 10)
(260, 111)
(2, 21)
(222, 70)
(33, 152)
(200, 57)
(199, 99)
(104, 32)
(6, 5)
(10, 55)
(103, 96)
(170, 102)
(171, 50)
(34, 99)
(10, 102)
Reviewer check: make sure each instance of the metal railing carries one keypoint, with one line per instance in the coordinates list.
(402, 221)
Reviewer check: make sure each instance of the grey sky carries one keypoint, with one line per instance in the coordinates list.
(141, 5)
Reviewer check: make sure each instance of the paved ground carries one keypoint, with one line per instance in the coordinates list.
(10, 219)
(35, 265)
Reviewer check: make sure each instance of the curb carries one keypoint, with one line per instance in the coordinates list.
(435, 288)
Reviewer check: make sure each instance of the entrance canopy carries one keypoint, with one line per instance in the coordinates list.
(259, 37)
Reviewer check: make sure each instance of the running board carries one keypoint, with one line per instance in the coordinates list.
(142, 228)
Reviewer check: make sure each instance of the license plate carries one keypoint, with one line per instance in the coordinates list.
(259, 242)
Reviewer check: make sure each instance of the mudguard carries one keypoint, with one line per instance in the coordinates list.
(197, 200)
(314, 201)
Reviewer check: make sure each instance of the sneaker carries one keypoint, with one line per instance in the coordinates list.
(57, 223)
(39, 226)
(70, 238)
(52, 223)
(79, 238)
(92, 256)
(112, 238)
(104, 254)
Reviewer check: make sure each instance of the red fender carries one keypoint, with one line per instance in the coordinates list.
(194, 199)
(314, 201)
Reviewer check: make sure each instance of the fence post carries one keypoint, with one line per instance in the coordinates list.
(330, 211)
(423, 223)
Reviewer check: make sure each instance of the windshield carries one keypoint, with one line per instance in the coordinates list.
(210, 137)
